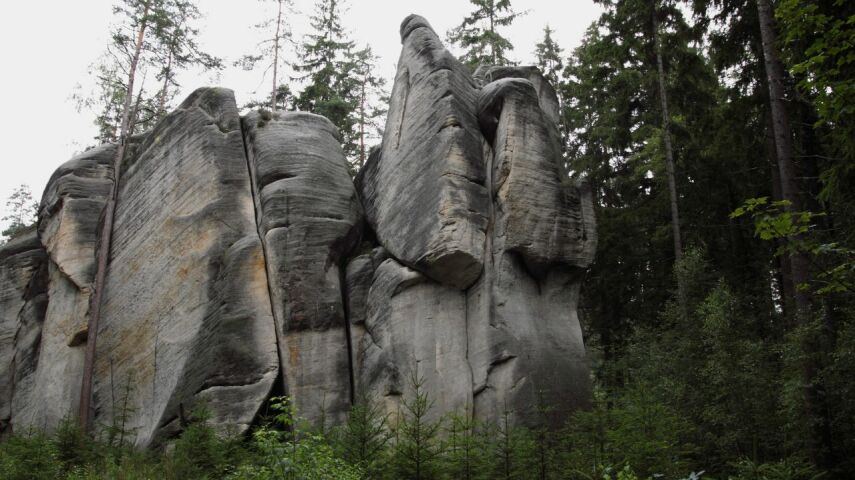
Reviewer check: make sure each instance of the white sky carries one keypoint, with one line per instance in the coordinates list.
(46, 49)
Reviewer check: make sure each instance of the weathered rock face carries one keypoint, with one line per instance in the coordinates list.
(245, 262)
(23, 299)
(186, 317)
(69, 217)
(309, 219)
(424, 194)
(513, 338)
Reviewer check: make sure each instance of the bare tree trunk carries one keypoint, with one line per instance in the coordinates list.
(276, 59)
(132, 123)
(362, 126)
(784, 277)
(161, 108)
(669, 164)
(669, 151)
(799, 263)
(783, 148)
(106, 237)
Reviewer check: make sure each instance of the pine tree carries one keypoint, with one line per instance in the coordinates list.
(372, 100)
(277, 29)
(418, 448)
(479, 33)
(138, 18)
(178, 49)
(327, 66)
(169, 48)
(548, 57)
(22, 210)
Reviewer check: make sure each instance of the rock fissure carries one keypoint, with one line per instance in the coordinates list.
(244, 267)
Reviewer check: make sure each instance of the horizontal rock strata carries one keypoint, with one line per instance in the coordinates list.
(246, 263)
(309, 219)
(186, 319)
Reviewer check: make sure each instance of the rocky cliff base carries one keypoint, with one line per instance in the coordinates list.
(245, 261)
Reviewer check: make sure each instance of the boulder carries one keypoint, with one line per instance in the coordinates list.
(538, 213)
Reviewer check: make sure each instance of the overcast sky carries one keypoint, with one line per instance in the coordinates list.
(47, 48)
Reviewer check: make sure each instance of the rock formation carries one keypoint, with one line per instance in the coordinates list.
(246, 262)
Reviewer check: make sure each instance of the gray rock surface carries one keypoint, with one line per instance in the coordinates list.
(424, 193)
(310, 219)
(415, 330)
(69, 217)
(241, 255)
(546, 95)
(23, 299)
(513, 339)
(186, 318)
(538, 214)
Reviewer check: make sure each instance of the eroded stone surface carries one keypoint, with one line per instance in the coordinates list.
(23, 263)
(239, 255)
(69, 217)
(186, 318)
(310, 218)
(538, 214)
(546, 95)
(424, 192)
(415, 330)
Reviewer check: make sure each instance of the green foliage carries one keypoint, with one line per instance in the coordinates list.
(547, 54)
(31, 456)
(479, 35)
(787, 469)
(21, 212)
(169, 47)
(418, 447)
(364, 440)
(773, 220)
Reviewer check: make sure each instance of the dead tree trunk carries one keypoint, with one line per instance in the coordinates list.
(106, 236)
(276, 59)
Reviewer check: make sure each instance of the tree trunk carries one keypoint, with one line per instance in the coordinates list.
(669, 164)
(783, 149)
(784, 278)
(106, 236)
(669, 151)
(362, 125)
(799, 263)
(161, 108)
(276, 58)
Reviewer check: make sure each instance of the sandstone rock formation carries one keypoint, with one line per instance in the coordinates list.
(309, 219)
(245, 262)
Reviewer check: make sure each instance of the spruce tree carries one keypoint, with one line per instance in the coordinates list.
(21, 211)
(364, 439)
(418, 447)
(326, 67)
(548, 57)
(478, 35)
(372, 99)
